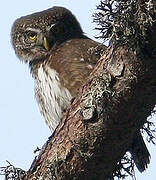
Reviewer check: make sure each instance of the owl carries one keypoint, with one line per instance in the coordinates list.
(60, 58)
(54, 45)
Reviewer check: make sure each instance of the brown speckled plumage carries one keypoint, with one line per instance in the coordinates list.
(61, 70)
(73, 62)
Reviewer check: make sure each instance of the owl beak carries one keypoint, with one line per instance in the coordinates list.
(46, 44)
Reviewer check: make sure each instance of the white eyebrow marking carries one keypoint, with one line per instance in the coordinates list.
(49, 27)
(33, 29)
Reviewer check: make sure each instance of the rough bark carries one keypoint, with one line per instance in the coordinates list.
(101, 122)
(98, 127)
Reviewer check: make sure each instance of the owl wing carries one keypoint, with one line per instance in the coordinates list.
(74, 60)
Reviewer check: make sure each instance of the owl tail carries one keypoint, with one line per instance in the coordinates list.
(140, 152)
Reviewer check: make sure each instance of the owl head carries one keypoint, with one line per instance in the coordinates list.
(34, 36)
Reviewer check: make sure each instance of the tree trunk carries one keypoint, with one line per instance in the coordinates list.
(99, 126)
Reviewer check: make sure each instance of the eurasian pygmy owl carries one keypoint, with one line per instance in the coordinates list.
(59, 55)
(54, 45)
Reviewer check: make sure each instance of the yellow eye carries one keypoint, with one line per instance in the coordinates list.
(32, 36)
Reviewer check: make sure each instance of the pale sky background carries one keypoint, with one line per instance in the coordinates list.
(22, 127)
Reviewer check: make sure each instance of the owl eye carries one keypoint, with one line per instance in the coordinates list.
(32, 35)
